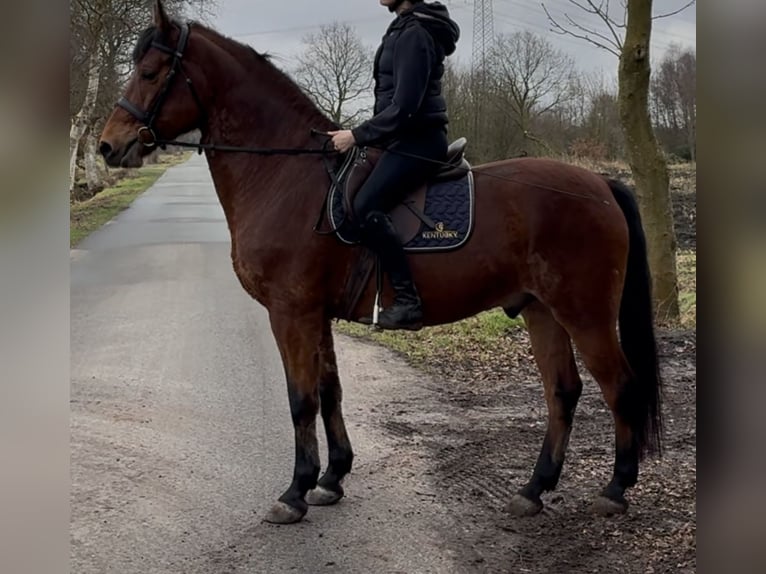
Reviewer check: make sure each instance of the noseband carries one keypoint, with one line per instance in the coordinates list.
(149, 117)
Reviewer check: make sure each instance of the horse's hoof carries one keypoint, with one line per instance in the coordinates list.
(282, 513)
(606, 506)
(322, 496)
(520, 506)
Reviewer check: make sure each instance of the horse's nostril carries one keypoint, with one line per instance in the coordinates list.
(105, 149)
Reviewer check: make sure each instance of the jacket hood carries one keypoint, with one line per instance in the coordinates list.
(434, 17)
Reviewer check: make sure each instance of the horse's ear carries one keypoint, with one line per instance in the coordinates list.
(161, 20)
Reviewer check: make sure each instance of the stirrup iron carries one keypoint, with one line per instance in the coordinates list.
(376, 309)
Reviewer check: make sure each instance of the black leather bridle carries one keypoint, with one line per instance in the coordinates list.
(149, 138)
(149, 117)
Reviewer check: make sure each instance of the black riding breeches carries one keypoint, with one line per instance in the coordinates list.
(394, 176)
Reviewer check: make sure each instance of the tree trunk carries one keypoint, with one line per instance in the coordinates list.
(94, 170)
(646, 159)
(80, 123)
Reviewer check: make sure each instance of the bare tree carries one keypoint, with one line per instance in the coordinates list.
(335, 69)
(531, 78)
(495, 134)
(629, 39)
(674, 99)
(601, 125)
(88, 20)
(472, 114)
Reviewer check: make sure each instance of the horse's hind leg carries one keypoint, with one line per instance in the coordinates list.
(329, 489)
(553, 353)
(601, 353)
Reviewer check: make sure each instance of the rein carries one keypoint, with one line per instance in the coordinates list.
(200, 147)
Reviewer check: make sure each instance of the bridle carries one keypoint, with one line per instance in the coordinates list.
(148, 137)
(149, 117)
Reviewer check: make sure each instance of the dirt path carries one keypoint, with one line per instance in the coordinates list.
(483, 425)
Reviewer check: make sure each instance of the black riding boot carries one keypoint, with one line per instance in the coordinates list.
(405, 313)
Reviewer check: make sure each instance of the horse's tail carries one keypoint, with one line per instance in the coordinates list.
(643, 402)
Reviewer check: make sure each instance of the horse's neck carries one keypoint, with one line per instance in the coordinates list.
(248, 110)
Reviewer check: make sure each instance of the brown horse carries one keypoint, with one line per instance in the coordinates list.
(572, 263)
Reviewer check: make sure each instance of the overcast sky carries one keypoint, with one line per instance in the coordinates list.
(278, 26)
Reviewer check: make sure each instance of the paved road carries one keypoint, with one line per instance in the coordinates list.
(180, 427)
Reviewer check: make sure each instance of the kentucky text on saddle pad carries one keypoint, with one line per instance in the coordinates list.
(438, 216)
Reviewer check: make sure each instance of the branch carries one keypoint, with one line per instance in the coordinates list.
(603, 13)
(529, 136)
(605, 43)
(674, 12)
(614, 41)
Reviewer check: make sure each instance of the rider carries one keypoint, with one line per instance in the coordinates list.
(410, 117)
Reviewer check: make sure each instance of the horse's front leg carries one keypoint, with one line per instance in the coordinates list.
(329, 489)
(299, 338)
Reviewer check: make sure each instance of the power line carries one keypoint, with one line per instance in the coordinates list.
(560, 7)
(525, 24)
(299, 28)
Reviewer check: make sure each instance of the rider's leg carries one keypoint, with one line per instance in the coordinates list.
(405, 312)
(394, 176)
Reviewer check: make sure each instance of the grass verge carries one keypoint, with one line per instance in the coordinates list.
(686, 262)
(87, 216)
(476, 336)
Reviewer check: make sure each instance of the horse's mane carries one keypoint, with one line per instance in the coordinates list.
(292, 94)
(153, 34)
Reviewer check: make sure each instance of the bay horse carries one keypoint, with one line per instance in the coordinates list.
(573, 263)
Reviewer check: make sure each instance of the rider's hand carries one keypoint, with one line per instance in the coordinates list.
(342, 140)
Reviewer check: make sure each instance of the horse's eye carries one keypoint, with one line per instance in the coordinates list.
(148, 75)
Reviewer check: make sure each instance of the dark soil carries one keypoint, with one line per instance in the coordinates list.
(683, 195)
(82, 193)
(685, 214)
(485, 450)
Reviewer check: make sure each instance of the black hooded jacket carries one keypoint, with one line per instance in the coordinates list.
(409, 66)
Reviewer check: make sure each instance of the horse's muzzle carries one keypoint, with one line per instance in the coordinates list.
(125, 156)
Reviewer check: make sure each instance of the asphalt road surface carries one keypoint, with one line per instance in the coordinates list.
(180, 428)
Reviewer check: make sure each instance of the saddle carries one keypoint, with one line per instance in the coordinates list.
(438, 215)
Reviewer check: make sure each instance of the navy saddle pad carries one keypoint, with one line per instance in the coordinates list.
(449, 211)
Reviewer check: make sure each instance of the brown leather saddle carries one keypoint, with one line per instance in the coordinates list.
(409, 216)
